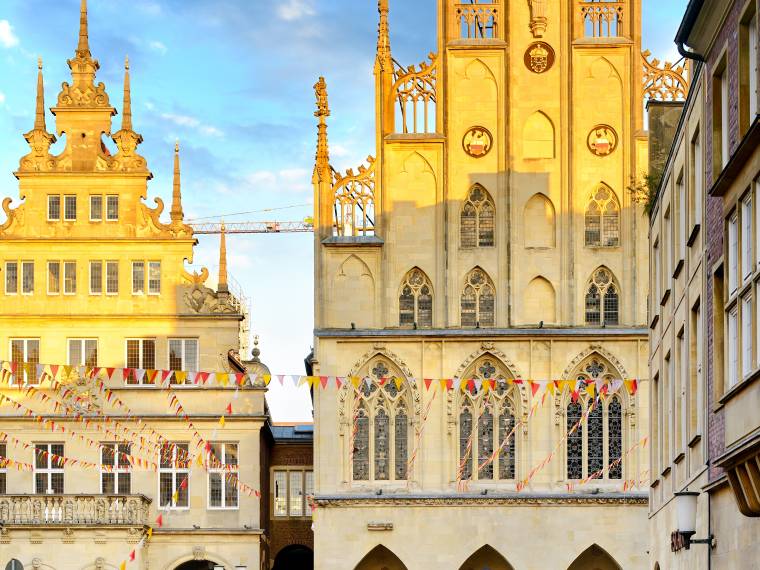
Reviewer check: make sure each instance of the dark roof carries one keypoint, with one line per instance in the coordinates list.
(302, 433)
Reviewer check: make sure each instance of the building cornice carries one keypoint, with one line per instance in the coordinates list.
(478, 500)
(446, 334)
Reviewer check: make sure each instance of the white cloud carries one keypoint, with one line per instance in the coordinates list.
(192, 123)
(289, 180)
(157, 46)
(7, 38)
(2, 97)
(294, 10)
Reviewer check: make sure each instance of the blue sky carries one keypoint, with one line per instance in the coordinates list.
(232, 80)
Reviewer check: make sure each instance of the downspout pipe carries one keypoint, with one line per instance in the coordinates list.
(687, 23)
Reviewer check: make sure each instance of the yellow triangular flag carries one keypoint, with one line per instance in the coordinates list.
(221, 421)
(180, 376)
(150, 532)
(590, 389)
(267, 379)
(123, 565)
(398, 382)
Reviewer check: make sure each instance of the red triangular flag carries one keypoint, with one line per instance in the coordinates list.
(534, 387)
(132, 556)
(160, 521)
(323, 381)
(229, 408)
(428, 381)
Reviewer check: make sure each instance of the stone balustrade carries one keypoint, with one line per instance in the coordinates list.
(67, 510)
(601, 19)
(476, 21)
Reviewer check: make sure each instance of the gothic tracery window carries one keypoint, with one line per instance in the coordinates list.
(597, 441)
(603, 218)
(416, 300)
(478, 303)
(487, 424)
(477, 219)
(602, 299)
(381, 425)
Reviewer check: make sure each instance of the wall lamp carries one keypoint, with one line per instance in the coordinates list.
(686, 518)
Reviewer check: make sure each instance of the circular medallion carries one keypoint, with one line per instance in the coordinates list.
(539, 57)
(602, 140)
(477, 142)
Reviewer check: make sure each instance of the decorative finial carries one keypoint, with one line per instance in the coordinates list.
(223, 261)
(39, 159)
(384, 60)
(177, 215)
(320, 90)
(83, 49)
(39, 117)
(126, 118)
(256, 352)
(323, 111)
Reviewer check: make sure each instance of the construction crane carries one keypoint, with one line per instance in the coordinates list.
(206, 228)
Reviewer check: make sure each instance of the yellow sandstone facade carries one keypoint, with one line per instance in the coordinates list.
(93, 277)
(491, 238)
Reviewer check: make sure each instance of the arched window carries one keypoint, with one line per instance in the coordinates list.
(602, 299)
(381, 428)
(477, 219)
(595, 447)
(603, 218)
(478, 306)
(491, 414)
(415, 302)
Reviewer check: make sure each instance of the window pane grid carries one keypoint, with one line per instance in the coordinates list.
(138, 277)
(54, 208)
(112, 277)
(174, 475)
(70, 208)
(96, 208)
(27, 277)
(112, 208)
(11, 277)
(54, 277)
(96, 277)
(154, 277)
(69, 277)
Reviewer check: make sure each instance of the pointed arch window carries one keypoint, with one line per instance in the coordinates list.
(415, 302)
(478, 303)
(487, 424)
(595, 447)
(602, 299)
(477, 219)
(603, 218)
(381, 430)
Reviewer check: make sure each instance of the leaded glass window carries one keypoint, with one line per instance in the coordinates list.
(478, 306)
(416, 300)
(465, 451)
(485, 444)
(615, 435)
(361, 447)
(381, 445)
(477, 219)
(401, 443)
(507, 454)
(602, 299)
(574, 441)
(603, 218)
(595, 442)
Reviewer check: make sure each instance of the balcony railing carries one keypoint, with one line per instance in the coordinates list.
(600, 19)
(67, 510)
(477, 21)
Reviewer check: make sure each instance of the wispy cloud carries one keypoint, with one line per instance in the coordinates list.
(158, 46)
(294, 10)
(190, 122)
(288, 180)
(7, 38)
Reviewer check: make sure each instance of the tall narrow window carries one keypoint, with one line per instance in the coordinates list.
(70, 208)
(223, 476)
(154, 278)
(574, 441)
(27, 277)
(112, 208)
(361, 447)
(465, 444)
(401, 443)
(115, 470)
(747, 239)
(382, 438)
(485, 444)
(138, 277)
(602, 299)
(83, 352)
(295, 494)
(54, 277)
(96, 277)
(603, 218)
(748, 67)
(174, 475)
(696, 177)
(478, 300)
(695, 370)
(183, 354)
(747, 328)
(733, 253)
(54, 209)
(720, 118)
(26, 351)
(595, 453)
(416, 300)
(477, 219)
(280, 492)
(507, 447)
(682, 215)
(96, 208)
(733, 347)
(615, 436)
(11, 277)
(69, 277)
(112, 277)
(48, 468)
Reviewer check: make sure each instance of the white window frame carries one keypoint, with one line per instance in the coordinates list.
(747, 239)
(67, 264)
(93, 199)
(118, 469)
(83, 342)
(100, 263)
(175, 472)
(732, 347)
(747, 330)
(752, 61)
(183, 354)
(50, 469)
(108, 265)
(698, 174)
(150, 266)
(733, 253)
(142, 341)
(8, 264)
(66, 199)
(58, 280)
(60, 204)
(109, 198)
(27, 266)
(222, 468)
(725, 153)
(142, 290)
(306, 473)
(682, 215)
(25, 342)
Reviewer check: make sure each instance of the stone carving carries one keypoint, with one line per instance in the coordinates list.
(149, 222)
(477, 142)
(602, 140)
(199, 553)
(667, 83)
(12, 216)
(483, 500)
(99, 563)
(67, 511)
(201, 299)
(538, 19)
(539, 57)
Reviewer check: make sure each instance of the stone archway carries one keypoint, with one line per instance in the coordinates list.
(486, 558)
(294, 557)
(198, 565)
(380, 558)
(594, 558)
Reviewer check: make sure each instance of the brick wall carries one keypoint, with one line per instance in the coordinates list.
(728, 36)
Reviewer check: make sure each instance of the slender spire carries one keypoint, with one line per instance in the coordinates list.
(39, 117)
(322, 112)
(384, 61)
(177, 215)
(223, 261)
(126, 118)
(83, 48)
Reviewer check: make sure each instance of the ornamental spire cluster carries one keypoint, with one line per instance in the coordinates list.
(384, 61)
(322, 112)
(177, 215)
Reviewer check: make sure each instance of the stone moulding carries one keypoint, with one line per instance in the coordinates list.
(468, 500)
